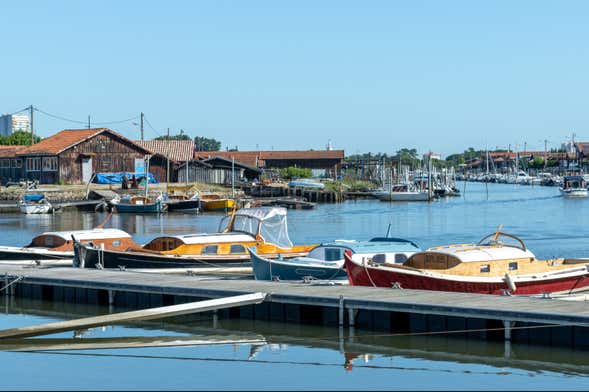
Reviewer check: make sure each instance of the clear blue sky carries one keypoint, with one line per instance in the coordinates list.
(369, 75)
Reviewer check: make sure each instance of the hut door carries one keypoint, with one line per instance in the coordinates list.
(86, 169)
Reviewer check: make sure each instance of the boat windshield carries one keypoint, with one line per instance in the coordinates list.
(269, 223)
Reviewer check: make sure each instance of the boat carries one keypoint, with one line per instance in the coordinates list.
(60, 245)
(488, 267)
(138, 204)
(326, 261)
(214, 202)
(263, 227)
(182, 203)
(402, 192)
(306, 183)
(573, 186)
(34, 203)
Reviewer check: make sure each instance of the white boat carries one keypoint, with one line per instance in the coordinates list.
(573, 186)
(34, 203)
(402, 192)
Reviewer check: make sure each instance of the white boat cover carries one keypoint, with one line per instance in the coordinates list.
(261, 213)
(86, 235)
(472, 252)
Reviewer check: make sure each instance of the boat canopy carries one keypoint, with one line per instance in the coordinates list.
(87, 235)
(33, 196)
(268, 222)
(375, 245)
(472, 252)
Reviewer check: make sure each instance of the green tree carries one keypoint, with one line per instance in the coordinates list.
(537, 163)
(407, 156)
(295, 172)
(206, 144)
(18, 138)
(179, 136)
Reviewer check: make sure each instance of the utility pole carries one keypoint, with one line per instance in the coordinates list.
(32, 125)
(142, 115)
(545, 153)
(88, 121)
(168, 161)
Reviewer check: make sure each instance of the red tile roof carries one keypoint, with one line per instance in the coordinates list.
(68, 138)
(9, 151)
(176, 150)
(258, 158)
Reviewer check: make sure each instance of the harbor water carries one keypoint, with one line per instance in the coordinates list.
(264, 355)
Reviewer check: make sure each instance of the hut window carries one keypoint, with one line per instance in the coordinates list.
(50, 164)
(33, 164)
(209, 250)
(236, 248)
(16, 163)
(116, 243)
(513, 266)
(5, 163)
(485, 268)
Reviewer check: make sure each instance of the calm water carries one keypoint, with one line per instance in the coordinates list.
(296, 357)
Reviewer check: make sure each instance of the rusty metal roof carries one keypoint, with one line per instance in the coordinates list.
(258, 158)
(175, 150)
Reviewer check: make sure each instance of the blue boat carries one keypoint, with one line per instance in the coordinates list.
(326, 261)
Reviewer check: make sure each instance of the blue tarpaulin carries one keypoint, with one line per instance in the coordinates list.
(34, 196)
(117, 178)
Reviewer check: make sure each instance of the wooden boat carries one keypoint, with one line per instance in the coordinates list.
(138, 204)
(573, 186)
(214, 202)
(59, 244)
(182, 203)
(34, 203)
(326, 261)
(263, 227)
(489, 267)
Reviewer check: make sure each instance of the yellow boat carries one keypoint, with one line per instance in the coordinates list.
(213, 202)
(262, 227)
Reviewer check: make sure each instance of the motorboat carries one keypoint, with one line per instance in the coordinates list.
(60, 244)
(491, 266)
(326, 261)
(573, 186)
(182, 202)
(263, 227)
(402, 192)
(34, 203)
(138, 204)
(215, 202)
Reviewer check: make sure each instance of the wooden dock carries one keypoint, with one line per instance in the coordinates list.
(521, 319)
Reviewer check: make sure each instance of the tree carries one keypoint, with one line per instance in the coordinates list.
(295, 172)
(407, 156)
(180, 136)
(537, 163)
(206, 144)
(18, 138)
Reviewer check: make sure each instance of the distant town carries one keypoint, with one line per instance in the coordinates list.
(75, 156)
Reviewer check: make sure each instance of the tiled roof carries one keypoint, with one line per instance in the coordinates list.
(68, 138)
(176, 150)
(9, 151)
(257, 158)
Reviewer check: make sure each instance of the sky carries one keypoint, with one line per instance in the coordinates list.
(369, 76)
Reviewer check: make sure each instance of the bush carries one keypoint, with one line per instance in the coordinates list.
(295, 172)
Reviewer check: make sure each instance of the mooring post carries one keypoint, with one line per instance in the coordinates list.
(341, 339)
(341, 310)
(111, 297)
(508, 325)
(352, 316)
(215, 319)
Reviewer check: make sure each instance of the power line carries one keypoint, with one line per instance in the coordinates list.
(19, 111)
(151, 126)
(85, 122)
(116, 122)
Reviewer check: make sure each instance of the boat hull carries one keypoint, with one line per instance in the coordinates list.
(35, 208)
(365, 275)
(183, 205)
(18, 253)
(139, 208)
(87, 256)
(217, 205)
(574, 192)
(403, 196)
(265, 269)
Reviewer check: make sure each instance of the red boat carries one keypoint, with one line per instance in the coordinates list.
(489, 267)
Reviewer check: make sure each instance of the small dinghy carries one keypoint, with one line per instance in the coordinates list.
(34, 203)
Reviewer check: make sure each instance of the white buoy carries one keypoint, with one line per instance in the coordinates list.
(510, 283)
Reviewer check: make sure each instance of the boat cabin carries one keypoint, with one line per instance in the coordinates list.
(62, 240)
(384, 250)
(574, 182)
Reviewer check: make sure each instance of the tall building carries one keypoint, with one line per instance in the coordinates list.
(10, 123)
